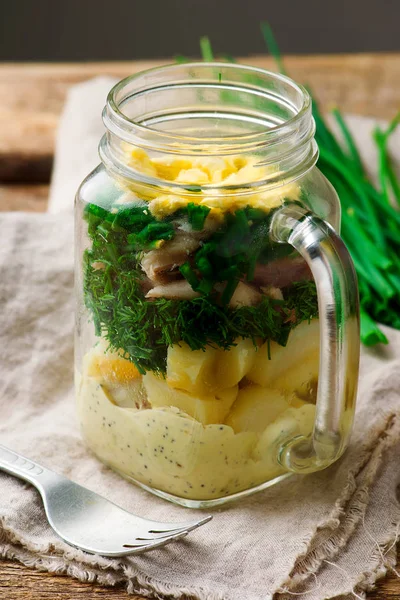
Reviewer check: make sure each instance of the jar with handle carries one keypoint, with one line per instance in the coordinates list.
(217, 340)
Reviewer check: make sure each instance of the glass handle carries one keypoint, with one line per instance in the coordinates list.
(338, 306)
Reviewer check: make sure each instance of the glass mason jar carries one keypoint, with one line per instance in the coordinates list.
(217, 319)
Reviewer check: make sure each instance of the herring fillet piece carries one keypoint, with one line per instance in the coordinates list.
(282, 272)
(179, 290)
(158, 263)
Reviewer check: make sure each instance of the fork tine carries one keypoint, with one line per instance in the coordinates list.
(153, 535)
(142, 545)
(159, 536)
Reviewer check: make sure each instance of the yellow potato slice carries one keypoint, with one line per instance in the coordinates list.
(206, 409)
(191, 370)
(256, 408)
(233, 364)
(292, 367)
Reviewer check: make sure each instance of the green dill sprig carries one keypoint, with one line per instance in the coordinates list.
(114, 289)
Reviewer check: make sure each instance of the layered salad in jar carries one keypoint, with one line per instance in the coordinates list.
(206, 347)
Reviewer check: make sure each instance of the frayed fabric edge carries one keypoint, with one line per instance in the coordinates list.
(348, 512)
(58, 566)
(127, 578)
(10, 536)
(368, 579)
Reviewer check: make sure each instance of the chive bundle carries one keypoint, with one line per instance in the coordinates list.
(370, 213)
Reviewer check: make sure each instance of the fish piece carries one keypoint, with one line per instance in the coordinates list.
(157, 263)
(97, 265)
(178, 290)
(146, 285)
(245, 295)
(282, 272)
(272, 292)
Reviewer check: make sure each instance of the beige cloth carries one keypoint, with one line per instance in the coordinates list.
(328, 534)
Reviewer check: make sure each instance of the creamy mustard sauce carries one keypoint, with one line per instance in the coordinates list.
(167, 449)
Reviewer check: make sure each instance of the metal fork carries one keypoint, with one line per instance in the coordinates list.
(88, 521)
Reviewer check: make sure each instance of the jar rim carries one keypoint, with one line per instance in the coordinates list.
(115, 119)
(289, 144)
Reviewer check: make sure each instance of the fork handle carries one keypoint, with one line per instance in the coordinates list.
(15, 464)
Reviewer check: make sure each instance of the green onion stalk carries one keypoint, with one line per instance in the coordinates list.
(370, 212)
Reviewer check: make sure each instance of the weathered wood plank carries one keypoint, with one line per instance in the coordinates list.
(20, 583)
(32, 96)
(30, 198)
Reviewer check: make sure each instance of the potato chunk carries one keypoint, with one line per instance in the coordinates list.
(292, 367)
(255, 408)
(206, 408)
(233, 364)
(191, 370)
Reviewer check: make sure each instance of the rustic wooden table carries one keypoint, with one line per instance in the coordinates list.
(31, 99)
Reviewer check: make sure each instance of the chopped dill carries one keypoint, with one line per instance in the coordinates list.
(115, 295)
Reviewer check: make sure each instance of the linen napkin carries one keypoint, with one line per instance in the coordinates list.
(325, 535)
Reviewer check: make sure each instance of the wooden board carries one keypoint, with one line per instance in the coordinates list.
(31, 99)
(32, 96)
(19, 583)
(27, 197)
